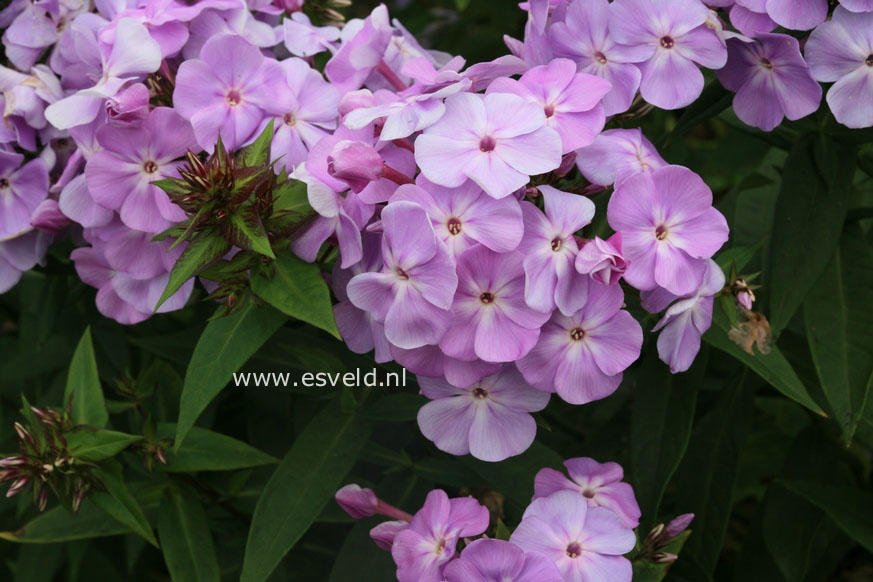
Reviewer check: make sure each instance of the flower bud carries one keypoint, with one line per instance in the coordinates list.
(678, 525)
(568, 162)
(384, 533)
(128, 107)
(356, 501)
(18, 486)
(356, 163)
(746, 298)
(360, 99)
(664, 558)
(602, 260)
(13, 462)
(48, 217)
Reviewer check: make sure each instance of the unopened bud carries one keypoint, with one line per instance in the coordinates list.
(664, 558)
(654, 535)
(568, 162)
(160, 456)
(678, 525)
(42, 501)
(18, 486)
(384, 533)
(357, 501)
(23, 433)
(746, 298)
(13, 462)
(356, 163)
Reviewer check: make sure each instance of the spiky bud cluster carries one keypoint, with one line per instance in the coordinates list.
(43, 462)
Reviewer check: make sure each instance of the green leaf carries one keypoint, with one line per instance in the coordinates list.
(851, 509)
(118, 502)
(172, 186)
(358, 554)
(662, 415)
(226, 344)
(205, 450)
(61, 525)
(772, 367)
(297, 289)
(501, 532)
(248, 233)
(199, 254)
(90, 444)
(706, 478)
(303, 483)
(808, 219)
(839, 327)
(83, 385)
(258, 153)
(185, 538)
(291, 196)
(395, 408)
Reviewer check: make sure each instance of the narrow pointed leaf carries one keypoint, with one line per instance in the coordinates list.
(83, 385)
(226, 344)
(185, 538)
(839, 326)
(258, 153)
(89, 444)
(808, 219)
(199, 254)
(205, 450)
(297, 289)
(851, 509)
(772, 367)
(247, 232)
(118, 502)
(303, 483)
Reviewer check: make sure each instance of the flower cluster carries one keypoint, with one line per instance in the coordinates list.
(454, 194)
(579, 527)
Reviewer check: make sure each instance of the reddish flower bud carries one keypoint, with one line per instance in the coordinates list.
(18, 486)
(356, 163)
(384, 533)
(356, 501)
(678, 525)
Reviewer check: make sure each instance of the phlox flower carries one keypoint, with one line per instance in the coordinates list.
(422, 550)
(414, 291)
(582, 356)
(550, 248)
(465, 215)
(616, 155)
(840, 51)
(668, 228)
(498, 141)
(130, 272)
(771, 80)
(303, 39)
(119, 176)
(21, 254)
(229, 90)
(798, 14)
(489, 419)
(750, 17)
(359, 330)
(584, 37)
(430, 361)
(486, 560)
(570, 100)
(602, 260)
(490, 319)
(341, 217)
(599, 483)
(586, 543)
(686, 320)
(134, 53)
(311, 114)
(363, 47)
(22, 187)
(677, 39)
(857, 5)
